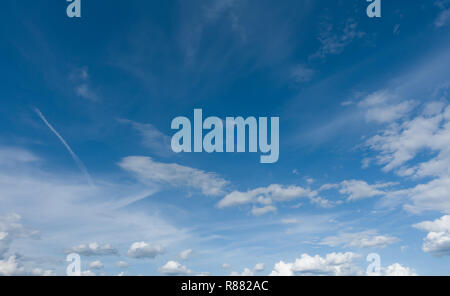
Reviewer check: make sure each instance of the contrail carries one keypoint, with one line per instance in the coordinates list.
(77, 160)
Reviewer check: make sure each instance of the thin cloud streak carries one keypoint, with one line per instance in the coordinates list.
(77, 160)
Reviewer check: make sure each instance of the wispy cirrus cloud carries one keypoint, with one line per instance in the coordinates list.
(147, 170)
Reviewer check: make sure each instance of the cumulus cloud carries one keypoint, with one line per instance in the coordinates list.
(365, 239)
(174, 268)
(96, 265)
(150, 171)
(92, 249)
(144, 250)
(10, 267)
(259, 267)
(263, 198)
(437, 241)
(397, 269)
(332, 264)
(282, 269)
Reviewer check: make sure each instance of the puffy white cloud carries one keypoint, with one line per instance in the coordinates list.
(150, 171)
(365, 239)
(144, 250)
(10, 267)
(437, 241)
(96, 265)
(174, 268)
(184, 255)
(93, 249)
(397, 269)
(331, 264)
(259, 267)
(226, 266)
(282, 269)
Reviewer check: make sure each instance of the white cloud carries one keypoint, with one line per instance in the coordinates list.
(93, 249)
(332, 264)
(399, 146)
(12, 156)
(401, 143)
(11, 229)
(42, 272)
(96, 265)
(267, 195)
(10, 267)
(356, 189)
(174, 268)
(257, 211)
(437, 241)
(150, 171)
(122, 264)
(246, 272)
(383, 107)
(184, 255)
(70, 211)
(365, 239)
(84, 90)
(81, 79)
(397, 269)
(152, 138)
(259, 267)
(75, 157)
(88, 273)
(144, 250)
(226, 266)
(282, 269)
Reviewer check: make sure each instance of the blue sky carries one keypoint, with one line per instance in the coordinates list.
(86, 164)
